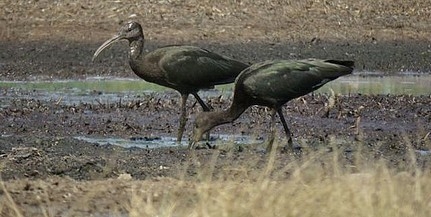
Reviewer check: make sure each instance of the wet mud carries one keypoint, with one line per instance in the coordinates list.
(47, 60)
(38, 136)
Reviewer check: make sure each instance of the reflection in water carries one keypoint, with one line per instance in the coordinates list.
(158, 142)
(143, 142)
(414, 85)
(423, 152)
(96, 90)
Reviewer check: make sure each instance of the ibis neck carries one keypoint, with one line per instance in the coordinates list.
(225, 116)
(136, 48)
(208, 120)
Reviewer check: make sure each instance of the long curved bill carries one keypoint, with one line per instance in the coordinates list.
(105, 45)
(197, 136)
(192, 145)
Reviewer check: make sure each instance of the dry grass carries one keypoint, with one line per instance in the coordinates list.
(310, 191)
(318, 185)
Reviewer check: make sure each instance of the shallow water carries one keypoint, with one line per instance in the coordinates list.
(165, 141)
(400, 84)
(395, 85)
(107, 89)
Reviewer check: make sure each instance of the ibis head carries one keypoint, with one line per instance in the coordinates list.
(130, 31)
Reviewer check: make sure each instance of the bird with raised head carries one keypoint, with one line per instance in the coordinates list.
(272, 84)
(186, 69)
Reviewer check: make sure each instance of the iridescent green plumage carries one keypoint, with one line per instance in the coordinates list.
(186, 69)
(276, 82)
(272, 84)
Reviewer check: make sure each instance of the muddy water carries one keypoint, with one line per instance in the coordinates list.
(165, 141)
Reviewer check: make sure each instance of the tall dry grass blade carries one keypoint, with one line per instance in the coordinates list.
(417, 172)
(9, 202)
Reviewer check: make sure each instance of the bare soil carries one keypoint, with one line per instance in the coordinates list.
(41, 40)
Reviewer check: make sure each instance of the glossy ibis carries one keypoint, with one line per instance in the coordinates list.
(272, 84)
(186, 69)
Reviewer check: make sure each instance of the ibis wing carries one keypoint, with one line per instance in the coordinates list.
(285, 80)
(192, 66)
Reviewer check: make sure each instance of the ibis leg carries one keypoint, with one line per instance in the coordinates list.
(183, 118)
(271, 137)
(205, 108)
(286, 128)
(201, 102)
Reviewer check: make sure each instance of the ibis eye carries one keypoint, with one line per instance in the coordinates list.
(130, 27)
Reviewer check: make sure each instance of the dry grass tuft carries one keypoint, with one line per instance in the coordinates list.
(317, 185)
(311, 190)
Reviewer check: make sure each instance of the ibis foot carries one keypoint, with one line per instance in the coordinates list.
(292, 148)
(202, 145)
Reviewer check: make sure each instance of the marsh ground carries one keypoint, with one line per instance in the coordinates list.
(43, 165)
